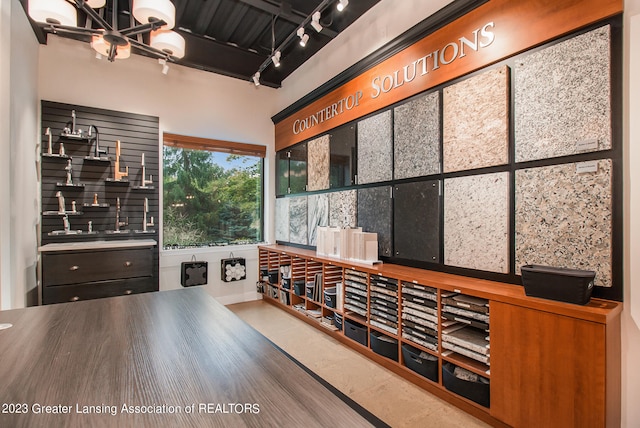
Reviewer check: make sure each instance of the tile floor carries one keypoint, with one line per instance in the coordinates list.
(388, 396)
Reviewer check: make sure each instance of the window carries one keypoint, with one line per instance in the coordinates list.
(212, 192)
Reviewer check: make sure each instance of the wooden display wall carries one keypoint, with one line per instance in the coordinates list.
(512, 166)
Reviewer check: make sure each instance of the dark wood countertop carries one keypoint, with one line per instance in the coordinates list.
(174, 348)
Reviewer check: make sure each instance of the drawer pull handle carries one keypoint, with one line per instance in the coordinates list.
(128, 292)
(74, 299)
(128, 264)
(74, 268)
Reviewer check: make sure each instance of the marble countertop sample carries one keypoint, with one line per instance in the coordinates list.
(476, 222)
(282, 219)
(97, 245)
(476, 121)
(563, 98)
(375, 153)
(563, 218)
(298, 220)
(318, 215)
(417, 137)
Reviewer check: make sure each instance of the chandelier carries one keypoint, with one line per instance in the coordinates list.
(156, 17)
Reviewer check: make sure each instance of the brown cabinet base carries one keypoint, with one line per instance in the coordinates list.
(97, 290)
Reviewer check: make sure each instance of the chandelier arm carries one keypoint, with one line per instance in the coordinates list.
(151, 50)
(82, 5)
(142, 28)
(57, 28)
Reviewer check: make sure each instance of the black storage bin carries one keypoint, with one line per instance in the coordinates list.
(264, 274)
(337, 321)
(273, 276)
(310, 288)
(356, 331)
(474, 391)
(286, 283)
(298, 287)
(561, 284)
(330, 297)
(384, 345)
(427, 367)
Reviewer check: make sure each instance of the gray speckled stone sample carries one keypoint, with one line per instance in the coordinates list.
(476, 121)
(563, 218)
(416, 232)
(476, 222)
(318, 164)
(317, 215)
(298, 220)
(343, 209)
(562, 97)
(282, 219)
(374, 215)
(375, 149)
(417, 137)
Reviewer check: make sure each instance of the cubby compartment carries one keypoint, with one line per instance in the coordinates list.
(465, 327)
(466, 384)
(384, 304)
(420, 362)
(356, 331)
(384, 345)
(420, 315)
(337, 321)
(299, 287)
(356, 297)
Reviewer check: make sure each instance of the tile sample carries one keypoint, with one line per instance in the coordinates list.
(476, 222)
(298, 168)
(375, 149)
(318, 163)
(562, 98)
(298, 220)
(343, 209)
(282, 219)
(563, 218)
(416, 219)
(417, 137)
(476, 121)
(317, 215)
(374, 215)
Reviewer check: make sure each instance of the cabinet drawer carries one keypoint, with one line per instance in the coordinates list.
(97, 290)
(79, 267)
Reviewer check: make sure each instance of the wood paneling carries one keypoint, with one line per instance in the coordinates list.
(550, 370)
(518, 26)
(171, 348)
(198, 143)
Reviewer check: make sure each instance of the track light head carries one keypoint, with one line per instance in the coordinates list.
(315, 21)
(276, 59)
(256, 78)
(304, 38)
(342, 4)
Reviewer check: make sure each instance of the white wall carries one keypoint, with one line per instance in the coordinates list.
(18, 171)
(631, 313)
(188, 102)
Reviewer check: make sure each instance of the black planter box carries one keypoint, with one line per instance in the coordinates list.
(355, 331)
(474, 391)
(384, 345)
(298, 287)
(423, 366)
(561, 284)
(337, 321)
(330, 297)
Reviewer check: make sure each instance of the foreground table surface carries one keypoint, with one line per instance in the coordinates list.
(175, 358)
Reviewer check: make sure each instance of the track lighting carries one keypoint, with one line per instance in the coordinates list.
(165, 66)
(276, 58)
(304, 38)
(342, 4)
(315, 21)
(256, 79)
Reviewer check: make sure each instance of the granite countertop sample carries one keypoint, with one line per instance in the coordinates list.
(343, 208)
(97, 245)
(375, 153)
(318, 163)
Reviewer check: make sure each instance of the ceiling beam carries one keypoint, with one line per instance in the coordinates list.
(287, 13)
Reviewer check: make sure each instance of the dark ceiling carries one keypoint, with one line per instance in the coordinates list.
(234, 37)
